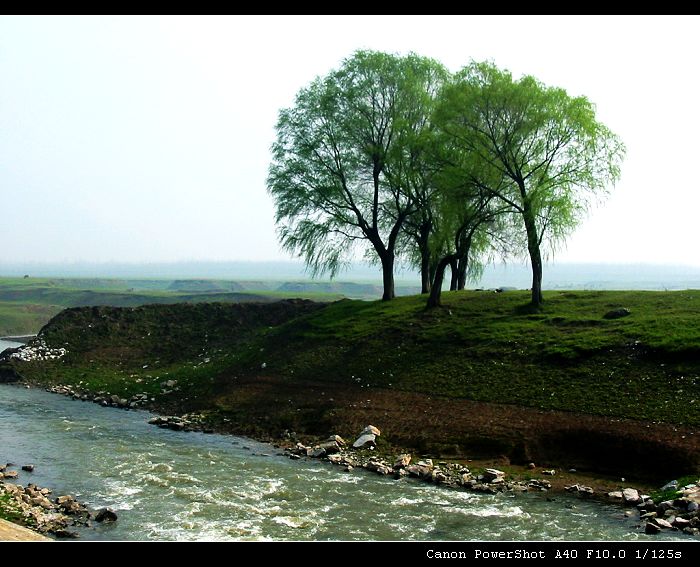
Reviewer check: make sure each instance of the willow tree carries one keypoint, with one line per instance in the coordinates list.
(467, 218)
(417, 170)
(556, 156)
(343, 157)
(464, 212)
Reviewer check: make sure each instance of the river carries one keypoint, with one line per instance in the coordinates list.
(168, 485)
(8, 344)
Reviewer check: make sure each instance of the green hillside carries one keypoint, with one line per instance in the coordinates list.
(483, 373)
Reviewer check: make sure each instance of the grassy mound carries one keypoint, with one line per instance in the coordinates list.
(480, 373)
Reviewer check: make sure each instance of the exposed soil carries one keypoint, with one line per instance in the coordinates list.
(266, 406)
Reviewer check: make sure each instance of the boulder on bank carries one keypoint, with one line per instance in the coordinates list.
(330, 447)
(338, 439)
(580, 490)
(651, 529)
(535, 483)
(673, 485)
(170, 422)
(662, 523)
(631, 496)
(419, 471)
(617, 313)
(371, 429)
(491, 475)
(315, 452)
(366, 439)
(402, 461)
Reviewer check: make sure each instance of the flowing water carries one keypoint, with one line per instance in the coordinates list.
(7, 344)
(168, 485)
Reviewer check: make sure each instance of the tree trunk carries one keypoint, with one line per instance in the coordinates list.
(463, 263)
(436, 290)
(425, 275)
(462, 273)
(453, 274)
(388, 276)
(433, 271)
(533, 248)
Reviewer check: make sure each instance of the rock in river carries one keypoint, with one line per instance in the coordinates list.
(106, 515)
(371, 429)
(651, 529)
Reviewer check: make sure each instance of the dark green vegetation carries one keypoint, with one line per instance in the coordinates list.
(482, 375)
(393, 156)
(486, 347)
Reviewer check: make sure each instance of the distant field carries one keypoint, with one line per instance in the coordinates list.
(27, 304)
(24, 318)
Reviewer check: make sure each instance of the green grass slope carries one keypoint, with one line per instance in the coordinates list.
(410, 369)
(490, 347)
(480, 346)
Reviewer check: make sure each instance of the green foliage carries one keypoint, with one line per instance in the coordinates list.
(672, 493)
(540, 151)
(389, 156)
(11, 511)
(343, 169)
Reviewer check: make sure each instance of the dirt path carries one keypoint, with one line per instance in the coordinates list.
(13, 532)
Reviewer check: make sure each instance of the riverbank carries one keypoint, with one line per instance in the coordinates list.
(482, 379)
(32, 510)
(13, 532)
(656, 510)
(175, 485)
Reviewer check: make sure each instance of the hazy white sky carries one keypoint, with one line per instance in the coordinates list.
(147, 139)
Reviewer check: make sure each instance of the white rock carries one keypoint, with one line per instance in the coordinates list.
(365, 439)
(630, 496)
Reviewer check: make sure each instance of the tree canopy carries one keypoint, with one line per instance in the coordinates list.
(343, 171)
(546, 144)
(392, 157)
